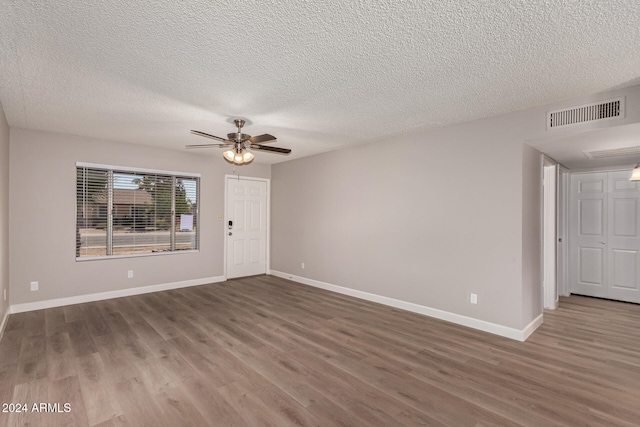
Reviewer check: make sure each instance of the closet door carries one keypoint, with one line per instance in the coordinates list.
(588, 234)
(623, 243)
(604, 248)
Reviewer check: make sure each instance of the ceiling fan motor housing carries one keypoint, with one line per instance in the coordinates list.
(237, 136)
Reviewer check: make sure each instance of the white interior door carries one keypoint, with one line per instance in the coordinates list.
(624, 238)
(604, 251)
(246, 221)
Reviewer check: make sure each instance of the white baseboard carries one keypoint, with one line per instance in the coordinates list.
(494, 328)
(59, 302)
(531, 327)
(4, 322)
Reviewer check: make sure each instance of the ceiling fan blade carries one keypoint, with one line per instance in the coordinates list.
(205, 146)
(272, 149)
(262, 138)
(206, 135)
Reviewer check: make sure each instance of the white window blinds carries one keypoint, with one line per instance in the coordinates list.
(129, 213)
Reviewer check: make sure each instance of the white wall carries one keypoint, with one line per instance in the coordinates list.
(427, 227)
(4, 216)
(42, 217)
(425, 218)
(532, 237)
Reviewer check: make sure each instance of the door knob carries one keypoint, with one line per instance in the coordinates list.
(230, 234)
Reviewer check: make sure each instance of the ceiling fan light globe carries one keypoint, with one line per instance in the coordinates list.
(635, 175)
(229, 155)
(238, 159)
(247, 156)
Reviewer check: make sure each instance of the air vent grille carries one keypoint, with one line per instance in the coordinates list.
(614, 152)
(611, 109)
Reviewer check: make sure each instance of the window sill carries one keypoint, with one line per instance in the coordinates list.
(95, 258)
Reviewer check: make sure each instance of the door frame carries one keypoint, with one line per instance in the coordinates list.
(228, 177)
(563, 231)
(550, 234)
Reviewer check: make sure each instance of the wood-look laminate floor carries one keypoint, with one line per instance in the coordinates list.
(265, 351)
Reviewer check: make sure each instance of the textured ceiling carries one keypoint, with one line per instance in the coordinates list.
(318, 75)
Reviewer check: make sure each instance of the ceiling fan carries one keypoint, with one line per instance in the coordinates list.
(239, 144)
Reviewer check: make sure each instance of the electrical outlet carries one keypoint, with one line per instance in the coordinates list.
(130, 274)
(474, 298)
(303, 265)
(34, 286)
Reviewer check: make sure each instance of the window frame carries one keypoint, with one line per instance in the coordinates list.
(111, 169)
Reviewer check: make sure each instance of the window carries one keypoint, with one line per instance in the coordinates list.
(123, 212)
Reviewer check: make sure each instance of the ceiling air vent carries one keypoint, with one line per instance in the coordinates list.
(611, 109)
(613, 152)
